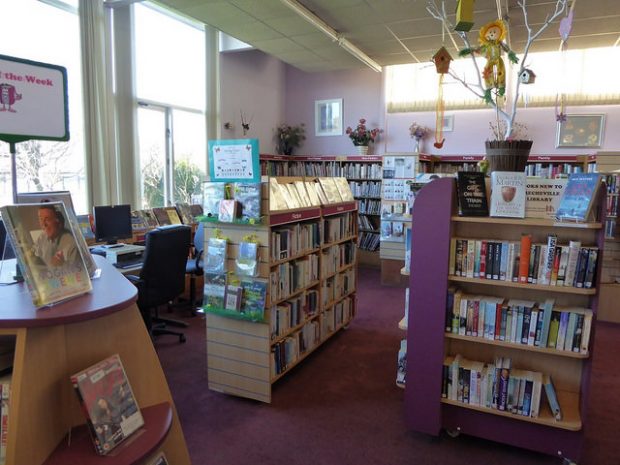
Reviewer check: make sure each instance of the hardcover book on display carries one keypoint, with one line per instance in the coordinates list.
(578, 197)
(215, 290)
(508, 194)
(330, 189)
(212, 193)
(472, 194)
(344, 190)
(173, 215)
(112, 413)
(542, 197)
(47, 251)
(185, 213)
(149, 218)
(248, 196)
(254, 295)
(162, 216)
(276, 199)
(137, 222)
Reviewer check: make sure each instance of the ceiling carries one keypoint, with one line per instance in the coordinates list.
(388, 31)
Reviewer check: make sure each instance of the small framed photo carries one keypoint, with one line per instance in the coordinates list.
(328, 117)
(448, 123)
(580, 131)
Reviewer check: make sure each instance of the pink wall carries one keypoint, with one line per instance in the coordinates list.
(254, 82)
(362, 97)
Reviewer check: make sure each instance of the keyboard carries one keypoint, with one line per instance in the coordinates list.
(129, 264)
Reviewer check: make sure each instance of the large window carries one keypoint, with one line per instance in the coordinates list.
(170, 87)
(46, 32)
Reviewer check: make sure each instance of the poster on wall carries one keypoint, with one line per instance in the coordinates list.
(234, 160)
(33, 100)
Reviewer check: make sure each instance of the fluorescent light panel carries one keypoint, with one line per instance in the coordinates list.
(331, 33)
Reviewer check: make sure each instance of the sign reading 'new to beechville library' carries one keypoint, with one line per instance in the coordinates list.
(33, 100)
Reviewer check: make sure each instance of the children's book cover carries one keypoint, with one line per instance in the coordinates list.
(254, 295)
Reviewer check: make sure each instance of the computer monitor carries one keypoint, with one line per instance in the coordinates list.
(112, 222)
(6, 249)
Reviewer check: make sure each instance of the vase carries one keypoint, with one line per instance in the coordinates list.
(362, 149)
(416, 148)
(504, 155)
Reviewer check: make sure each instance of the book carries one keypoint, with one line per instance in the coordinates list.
(47, 251)
(330, 189)
(542, 197)
(312, 194)
(254, 294)
(173, 215)
(149, 218)
(401, 371)
(229, 210)
(508, 194)
(578, 197)
(552, 397)
(216, 255)
(472, 194)
(196, 210)
(300, 187)
(112, 413)
(246, 263)
(185, 213)
(248, 195)
(524, 257)
(85, 226)
(5, 399)
(212, 194)
(162, 216)
(343, 189)
(233, 297)
(276, 200)
(137, 222)
(215, 290)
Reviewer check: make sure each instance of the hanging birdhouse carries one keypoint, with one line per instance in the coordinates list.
(442, 60)
(464, 15)
(527, 76)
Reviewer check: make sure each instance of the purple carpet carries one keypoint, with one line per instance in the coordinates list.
(341, 405)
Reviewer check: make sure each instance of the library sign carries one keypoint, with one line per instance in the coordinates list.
(33, 100)
(234, 160)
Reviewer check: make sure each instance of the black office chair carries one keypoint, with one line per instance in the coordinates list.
(194, 265)
(162, 278)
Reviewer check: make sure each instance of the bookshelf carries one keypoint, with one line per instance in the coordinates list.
(245, 358)
(52, 344)
(426, 411)
(364, 176)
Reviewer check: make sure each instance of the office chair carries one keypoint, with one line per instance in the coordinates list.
(162, 277)
(194, 265)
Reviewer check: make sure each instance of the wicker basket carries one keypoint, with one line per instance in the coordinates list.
(508, 155)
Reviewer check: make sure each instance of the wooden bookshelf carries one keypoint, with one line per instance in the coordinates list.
(241, 355)
(425, 410)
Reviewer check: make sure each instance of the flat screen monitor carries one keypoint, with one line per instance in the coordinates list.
(112, 222)
(51, 196)
(6, 250)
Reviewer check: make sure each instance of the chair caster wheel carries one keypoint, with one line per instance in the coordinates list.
(182, 338)
(453, 433)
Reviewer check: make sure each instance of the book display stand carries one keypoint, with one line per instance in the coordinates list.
(308, 258)
(54, 343)
(429, 344)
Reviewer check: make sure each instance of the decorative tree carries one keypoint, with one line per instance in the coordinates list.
(491, 88)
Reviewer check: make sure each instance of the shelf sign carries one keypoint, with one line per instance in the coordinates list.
(234, 160)
(33, 101)
(338, 208)
(276, 218)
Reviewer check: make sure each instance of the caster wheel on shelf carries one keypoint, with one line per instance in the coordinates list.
(453, 433)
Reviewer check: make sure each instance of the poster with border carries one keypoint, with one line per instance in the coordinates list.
(33, 100)
(234, 160)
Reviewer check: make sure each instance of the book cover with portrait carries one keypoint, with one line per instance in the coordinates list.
(47, 251)
(508, 194)
(112, 413)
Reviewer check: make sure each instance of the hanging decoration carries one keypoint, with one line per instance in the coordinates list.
(566, 25)
(492, 45)
(464, 15)
(442, 61)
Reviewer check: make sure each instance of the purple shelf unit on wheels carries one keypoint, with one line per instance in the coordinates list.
(424, 410)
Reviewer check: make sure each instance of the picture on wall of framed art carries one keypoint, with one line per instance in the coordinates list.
(328, 117)
(448, 123)
(581, 131)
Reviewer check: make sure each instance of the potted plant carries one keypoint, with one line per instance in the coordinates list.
(506, 152)
(362, 136)
(289, 138)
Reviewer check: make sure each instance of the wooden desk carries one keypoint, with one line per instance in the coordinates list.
(53, 343)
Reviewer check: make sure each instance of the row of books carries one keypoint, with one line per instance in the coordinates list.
(337, 286)
(498, 386)
(336, 316)
(287, 278)
(293, 240)
(301, 194)
(369, 241)
(5, 395)
(365, 188)
(552, 170)
(364, 222)
(369, 207)
(337, 228)
(286, 352)
(519, 321)
(336, 257)
(314, 169)
(361, 170)
(525, 262)
(292, 312)
(244, 295)
(231, 201)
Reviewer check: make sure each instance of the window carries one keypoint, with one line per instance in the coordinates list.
(170, 87)
(46, 165)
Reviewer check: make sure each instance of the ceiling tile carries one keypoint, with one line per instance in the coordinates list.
(292, 25)
(256, 30)
(277, 46)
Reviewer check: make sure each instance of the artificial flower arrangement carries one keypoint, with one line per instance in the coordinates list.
(418, 132)
(289, 137)
(361, 135)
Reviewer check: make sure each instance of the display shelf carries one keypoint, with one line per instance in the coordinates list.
(531, 287)
(526, 222)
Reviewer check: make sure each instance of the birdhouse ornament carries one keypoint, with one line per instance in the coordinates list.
(442, 61)
(527, 76)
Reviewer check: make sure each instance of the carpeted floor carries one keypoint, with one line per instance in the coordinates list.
(341, 405)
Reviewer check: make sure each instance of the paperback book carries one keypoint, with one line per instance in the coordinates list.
(112, 413)
(508, 194)
(85, 227)
(472, 194)
(254, 295)
(47, 251)
(229, 210)
(215, 290)
(248, 196)
(542, 197)
(247, 259)
(162, 216)
(216, 255)
(578, 197)
(173, 215)
(185, 213)
(212, 193)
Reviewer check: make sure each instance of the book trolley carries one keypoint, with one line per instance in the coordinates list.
(426, 410)
(244, 357)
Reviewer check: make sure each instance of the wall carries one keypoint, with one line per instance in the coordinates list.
(361, 91)
(254, 83)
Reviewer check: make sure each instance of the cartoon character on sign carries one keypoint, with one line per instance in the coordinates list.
(8, 96)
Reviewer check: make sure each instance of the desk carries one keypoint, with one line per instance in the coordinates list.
(53, 343)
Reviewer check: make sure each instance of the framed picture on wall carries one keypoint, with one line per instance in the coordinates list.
(448, 123)
(328, 117)
(581, 131)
